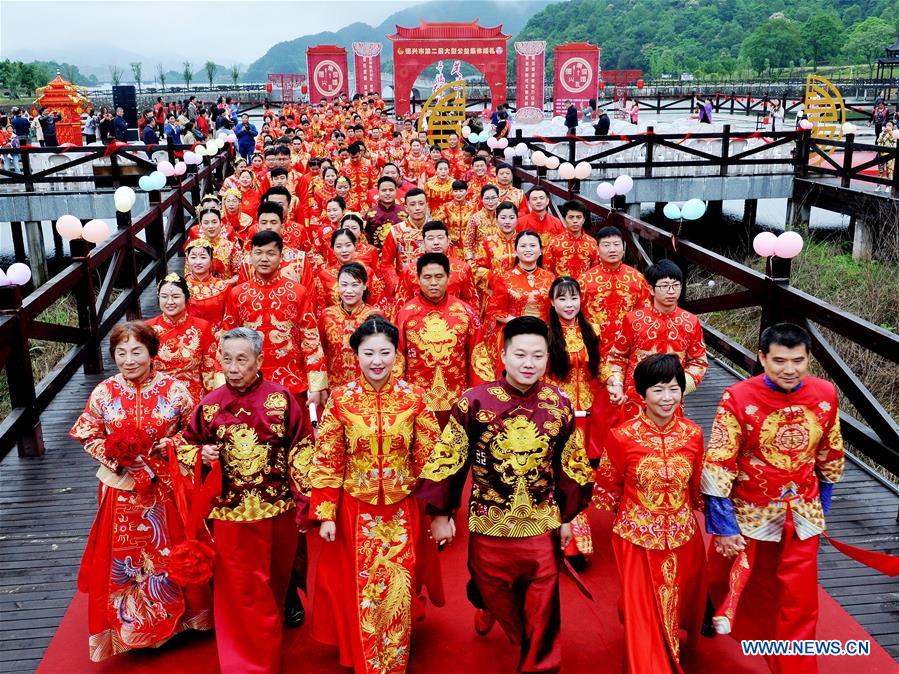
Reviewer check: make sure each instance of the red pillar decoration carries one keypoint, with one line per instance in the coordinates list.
(328, 76)
(577, 75)
(530, 59)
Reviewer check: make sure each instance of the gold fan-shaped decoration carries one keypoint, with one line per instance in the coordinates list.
(825, 109)
(445, 112)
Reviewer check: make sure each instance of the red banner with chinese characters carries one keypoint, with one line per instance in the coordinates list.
(328, 75)
(577, 75)
(367, 67)
(530, 58)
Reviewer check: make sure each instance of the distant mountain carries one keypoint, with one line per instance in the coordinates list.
(290, 57)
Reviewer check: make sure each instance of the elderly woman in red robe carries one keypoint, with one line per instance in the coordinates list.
(649, 477)
(129, 424)
(375, 436)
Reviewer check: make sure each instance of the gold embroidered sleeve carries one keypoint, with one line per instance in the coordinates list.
(449, 455)
(720, 462)
(574, 459)
(299, 461)
(427, 432)
(90, 431)
(830, 457)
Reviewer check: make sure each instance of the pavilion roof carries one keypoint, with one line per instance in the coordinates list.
(448, 31)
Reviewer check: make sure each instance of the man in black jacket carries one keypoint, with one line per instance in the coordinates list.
(571, 118)
(602, 123)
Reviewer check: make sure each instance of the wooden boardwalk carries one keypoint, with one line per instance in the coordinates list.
(47, 506)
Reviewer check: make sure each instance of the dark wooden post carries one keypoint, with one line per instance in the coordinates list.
(20, 375)
(803, 150)
(85, 298)
(650, 144)
(129, 265)
(725, 150)
(116, 170)
(847, 160)
(777, 271)
(733, 96)
(170, 149)
(26, 169)
(156, 232)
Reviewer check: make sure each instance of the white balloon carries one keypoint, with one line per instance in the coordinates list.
(18, 274)
(849, 128)
(509, 154)
(124, 199)
(566, 171)
(200, 150)
(180, 168)
(522, 149)
(502, 143)
(552, 163)
(3, 280)
(623, 184)
(189, 157)
(583, 170)
(539, 158)
(95, 231)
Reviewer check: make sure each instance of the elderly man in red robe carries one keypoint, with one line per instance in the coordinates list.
(263, 439)
(773, 457)
(530, 478)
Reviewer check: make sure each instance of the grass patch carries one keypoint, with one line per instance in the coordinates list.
(45, 355)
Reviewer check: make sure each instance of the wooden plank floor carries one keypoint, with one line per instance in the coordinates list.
(47, 506)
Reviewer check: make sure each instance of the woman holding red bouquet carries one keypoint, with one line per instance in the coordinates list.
(129, 424)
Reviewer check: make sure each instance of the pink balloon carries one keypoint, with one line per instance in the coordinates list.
(18, 274)
(95, 231)
(3, 280)
(806, 124)
(165, 168)
(491, 143)
(502, 143)
(605, 191)
(180, 168)
(788, 245)
(763, 244)
(69, 227)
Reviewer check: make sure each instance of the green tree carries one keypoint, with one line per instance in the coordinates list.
(137, 72)
(115, 75)
(822, 35)
(235, 73)
(188, 74)
(160, 74)
(868, 39)
(772, 44)
(210, 67)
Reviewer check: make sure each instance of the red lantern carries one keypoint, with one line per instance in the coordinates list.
(268, 87)
(639, 84)
(304, 88)
(602, 85)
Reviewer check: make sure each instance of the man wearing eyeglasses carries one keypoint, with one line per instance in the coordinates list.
(662, 327)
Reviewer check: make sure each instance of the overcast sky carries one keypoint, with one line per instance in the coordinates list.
(228, 31)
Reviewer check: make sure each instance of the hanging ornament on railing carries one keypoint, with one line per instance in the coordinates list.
(623, 184)
(693, 209)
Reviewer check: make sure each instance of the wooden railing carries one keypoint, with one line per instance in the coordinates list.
(124, 262)
(106, 165)
(668, 155)
(876, 433)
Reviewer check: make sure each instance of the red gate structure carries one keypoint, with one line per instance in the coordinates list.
(287, 83)
(414, 49)
(620, 79)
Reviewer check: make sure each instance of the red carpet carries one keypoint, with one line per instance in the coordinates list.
(445, 641)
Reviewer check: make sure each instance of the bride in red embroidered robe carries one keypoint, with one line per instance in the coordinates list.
(574, 362)
(649, 477)
(187, 344)
(131, 601)
(375, 436)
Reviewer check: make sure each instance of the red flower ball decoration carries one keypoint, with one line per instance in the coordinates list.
(191, 562)
(125, 445)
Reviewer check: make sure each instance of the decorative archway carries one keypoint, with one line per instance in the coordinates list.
(414, 49)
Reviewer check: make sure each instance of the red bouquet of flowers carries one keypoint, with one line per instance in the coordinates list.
(125, 446)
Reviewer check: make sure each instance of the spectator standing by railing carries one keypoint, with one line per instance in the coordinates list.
(106, 126)
(47, 123)
(90, 126)
(120, 125)
(21, 125)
